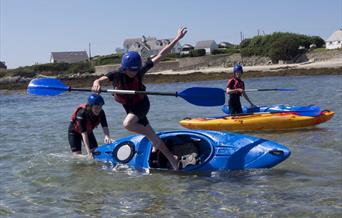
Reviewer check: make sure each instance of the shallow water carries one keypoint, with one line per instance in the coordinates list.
(39, 177)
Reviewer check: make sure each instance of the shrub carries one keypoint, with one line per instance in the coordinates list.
(197, 52)
(50, 67)
(80, 68)
(171, 56)
(278, 46)
(230, 51)
(108, 59)
(318, 41)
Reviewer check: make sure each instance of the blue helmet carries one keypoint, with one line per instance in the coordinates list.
(95, 99)
(131, 61)
(237, 68)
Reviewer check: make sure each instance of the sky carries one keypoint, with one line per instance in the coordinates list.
(31, 29)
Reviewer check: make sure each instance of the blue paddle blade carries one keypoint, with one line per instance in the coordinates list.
(203, 96)
(46, 86)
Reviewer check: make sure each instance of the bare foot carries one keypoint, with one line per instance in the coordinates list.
(177, 162)
(154, 149)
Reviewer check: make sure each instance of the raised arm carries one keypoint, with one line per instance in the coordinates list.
(180, 34)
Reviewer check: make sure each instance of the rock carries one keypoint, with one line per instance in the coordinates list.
(13, 79)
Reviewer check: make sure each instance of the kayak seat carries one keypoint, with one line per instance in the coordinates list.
(186, 153)
(189, 151)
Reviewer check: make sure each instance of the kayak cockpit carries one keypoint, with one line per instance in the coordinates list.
(190, 150)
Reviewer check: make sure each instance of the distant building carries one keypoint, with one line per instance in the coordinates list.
(119, 51)
(3, 65)
(149, 46)
(207, 45)
(129, 42)
(187, 48)
(335, 40)
(225, 45)
(68, 57)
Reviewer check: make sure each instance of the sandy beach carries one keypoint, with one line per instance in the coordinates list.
(332, 63)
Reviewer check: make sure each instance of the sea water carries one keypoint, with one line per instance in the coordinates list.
(40, 178)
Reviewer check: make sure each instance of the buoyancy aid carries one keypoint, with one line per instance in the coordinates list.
(132, 84)
(91, 124)
(236, 84)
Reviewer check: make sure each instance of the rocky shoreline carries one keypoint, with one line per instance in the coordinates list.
(216, 67)
(20, 83)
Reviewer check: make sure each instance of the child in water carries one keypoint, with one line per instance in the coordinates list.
(235, 89)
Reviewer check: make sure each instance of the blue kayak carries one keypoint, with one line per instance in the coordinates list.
(310, 110)
(197, 151)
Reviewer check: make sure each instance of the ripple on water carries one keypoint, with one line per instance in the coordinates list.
(39, 177)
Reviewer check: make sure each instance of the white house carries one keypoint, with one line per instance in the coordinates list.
(335, 40)
(187, 48)
(68, 57)
(225, 45)
(207, 45)
(149, 46)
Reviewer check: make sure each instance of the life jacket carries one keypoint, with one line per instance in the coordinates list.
(237, 84)
(133, 84)
(91, 124)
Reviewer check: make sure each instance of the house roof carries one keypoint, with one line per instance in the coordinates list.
(188, 46)
(148, 46)
(151, 43)
(130, 41)
(336, 36)
(204, 44)
(70, 56)
(158, 44)
(226, 44)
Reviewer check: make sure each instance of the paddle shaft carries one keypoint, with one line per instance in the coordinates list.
(126, 92)
(262, 90)
(132, 92)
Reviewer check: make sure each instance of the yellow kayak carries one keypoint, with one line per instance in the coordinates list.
(257, 121)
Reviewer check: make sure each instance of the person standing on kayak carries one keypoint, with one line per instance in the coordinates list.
(235, 88)
(130, 77)
(83, 120)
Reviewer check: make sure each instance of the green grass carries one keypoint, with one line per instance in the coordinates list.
(317, 50)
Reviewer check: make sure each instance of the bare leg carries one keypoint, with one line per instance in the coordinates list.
(131, 124)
